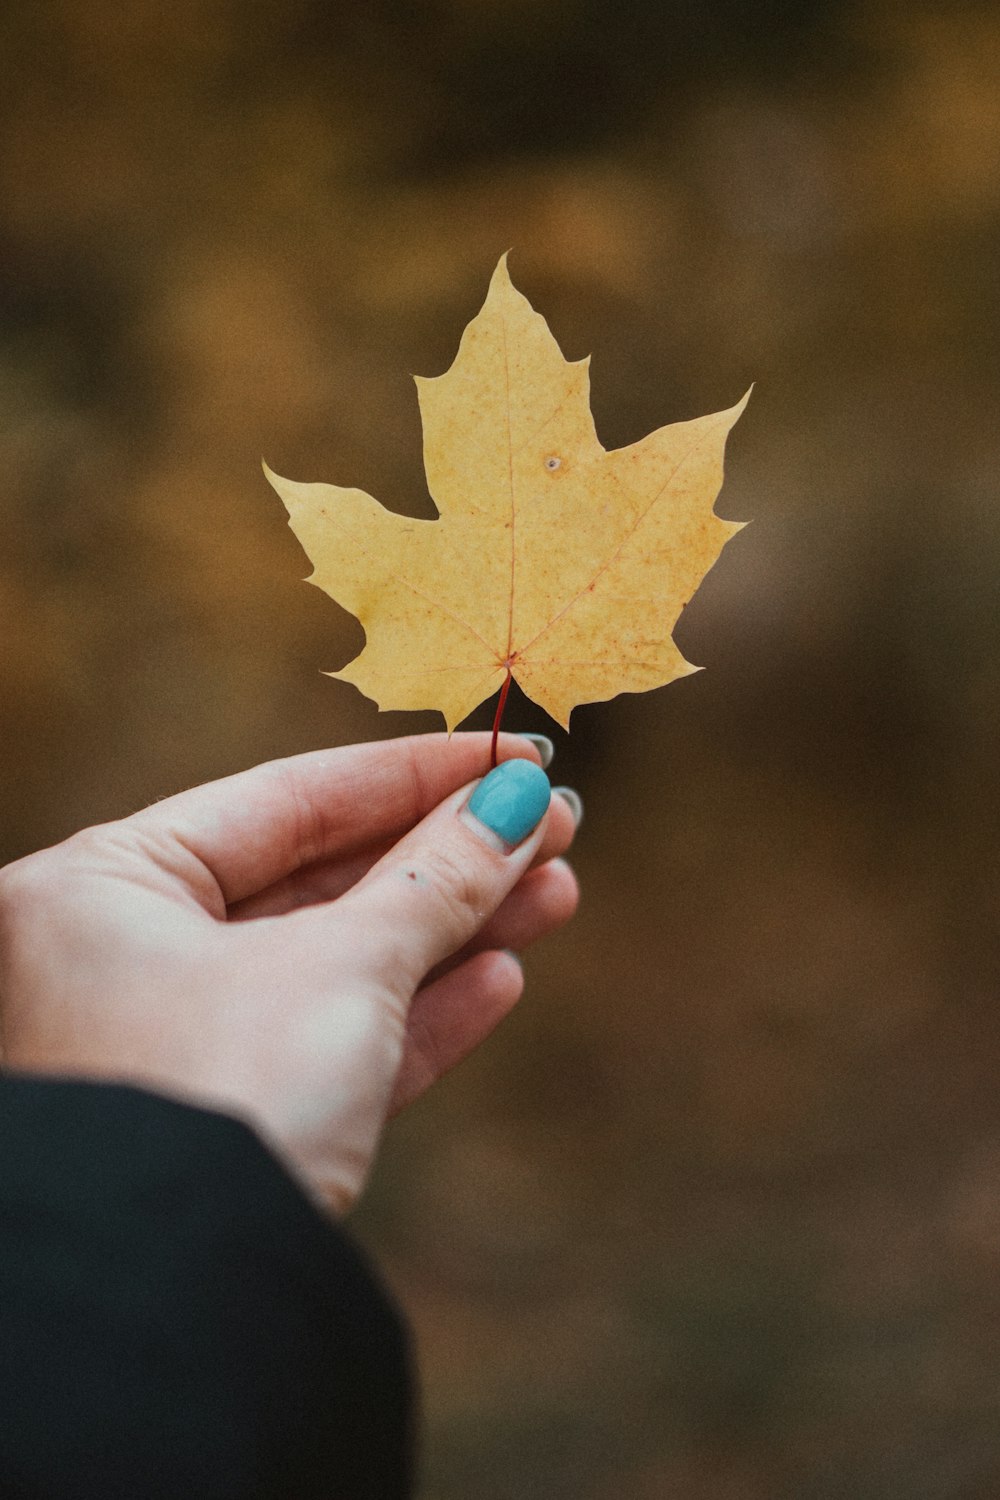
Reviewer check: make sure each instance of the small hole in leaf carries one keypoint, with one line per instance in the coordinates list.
(553, 463)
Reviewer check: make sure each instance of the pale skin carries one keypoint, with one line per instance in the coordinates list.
(308, 945)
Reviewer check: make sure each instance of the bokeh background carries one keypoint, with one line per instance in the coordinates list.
(716, 1214)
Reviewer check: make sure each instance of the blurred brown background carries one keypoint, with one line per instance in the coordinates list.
(717, 1214)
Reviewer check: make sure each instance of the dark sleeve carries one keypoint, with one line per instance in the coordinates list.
(177, 1319)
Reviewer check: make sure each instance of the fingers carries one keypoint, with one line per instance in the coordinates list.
(255, 828)
(542, 901)
(450, 1018)
(328, 879)
(441, 883)
(457, 1010)
(325, 880)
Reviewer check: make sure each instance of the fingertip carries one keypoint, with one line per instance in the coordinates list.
(555, 895)
(544, 746)
(510, 968)
(451, 1016)
(493, 983)
(565, 897)
(559, 831)
(573, 801)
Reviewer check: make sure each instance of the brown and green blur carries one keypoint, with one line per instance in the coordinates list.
(716, 1215)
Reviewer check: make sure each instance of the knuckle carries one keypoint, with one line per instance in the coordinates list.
(310, 825)
(22, 882)
(461, 896)
(49, 876)
(26, 894)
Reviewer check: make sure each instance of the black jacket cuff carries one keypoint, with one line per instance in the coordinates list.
(177, 1318)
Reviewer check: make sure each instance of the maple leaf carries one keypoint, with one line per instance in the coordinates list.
(552, 561)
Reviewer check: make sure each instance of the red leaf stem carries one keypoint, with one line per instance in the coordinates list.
(501, 705)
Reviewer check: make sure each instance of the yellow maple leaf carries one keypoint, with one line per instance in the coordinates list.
(552, 561)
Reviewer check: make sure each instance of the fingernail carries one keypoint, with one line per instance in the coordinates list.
(511, 800)
(573, 801)
(544, 746)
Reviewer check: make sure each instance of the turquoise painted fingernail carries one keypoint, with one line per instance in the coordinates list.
(511, 800)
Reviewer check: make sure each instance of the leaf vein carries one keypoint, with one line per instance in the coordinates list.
(587, 588)
(406, 584)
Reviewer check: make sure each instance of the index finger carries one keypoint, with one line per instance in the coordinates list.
(258, 826)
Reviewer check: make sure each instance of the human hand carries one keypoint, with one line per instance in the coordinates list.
(308, 945)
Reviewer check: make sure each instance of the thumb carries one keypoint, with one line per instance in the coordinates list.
(439, 885)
